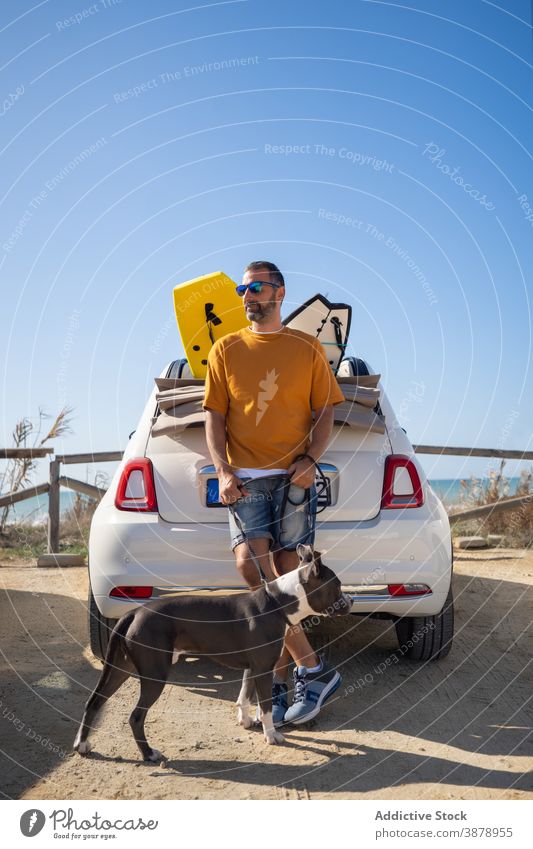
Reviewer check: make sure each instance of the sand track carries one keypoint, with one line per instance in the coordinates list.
(461, 728)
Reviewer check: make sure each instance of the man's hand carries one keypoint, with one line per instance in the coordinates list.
(228, 483)
(230, 488)
(302, 473)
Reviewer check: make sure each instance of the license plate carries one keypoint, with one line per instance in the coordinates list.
(212, 498)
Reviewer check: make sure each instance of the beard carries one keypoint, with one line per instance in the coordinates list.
(260, 312)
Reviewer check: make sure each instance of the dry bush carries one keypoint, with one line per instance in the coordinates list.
(18, 471)
(516, 524)
(22, 541)
(26, 540)
(76, 521)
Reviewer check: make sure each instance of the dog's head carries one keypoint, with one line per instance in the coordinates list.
(321, 585)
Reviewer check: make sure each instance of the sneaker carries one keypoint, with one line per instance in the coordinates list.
(311, 690)
(279, 702)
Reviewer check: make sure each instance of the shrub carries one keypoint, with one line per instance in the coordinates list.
(516, 524)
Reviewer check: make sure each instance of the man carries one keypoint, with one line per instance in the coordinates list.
(264, 383)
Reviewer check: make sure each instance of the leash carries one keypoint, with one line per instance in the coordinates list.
(322, 486)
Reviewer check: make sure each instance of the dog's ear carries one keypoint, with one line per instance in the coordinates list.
(307, 562)
(318, 563)
(305, 553)
(302, 551)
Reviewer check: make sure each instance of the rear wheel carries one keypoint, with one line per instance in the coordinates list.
(100, 628)
(424, 638)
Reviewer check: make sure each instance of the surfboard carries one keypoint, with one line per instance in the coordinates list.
(328, 322)
(206, 308)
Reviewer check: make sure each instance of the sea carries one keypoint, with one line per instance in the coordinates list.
(35, 510)
(451, 491)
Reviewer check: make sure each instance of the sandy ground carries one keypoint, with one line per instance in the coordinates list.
(457, 729)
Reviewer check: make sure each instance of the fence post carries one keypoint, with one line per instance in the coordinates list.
(53, 508)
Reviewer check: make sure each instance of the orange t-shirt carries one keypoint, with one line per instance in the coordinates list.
(267, 385)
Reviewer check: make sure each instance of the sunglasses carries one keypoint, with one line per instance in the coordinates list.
(256, 287)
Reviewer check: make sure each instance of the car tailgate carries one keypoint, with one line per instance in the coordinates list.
(177, 461)
(357, 455)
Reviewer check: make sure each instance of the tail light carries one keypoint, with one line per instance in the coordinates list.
(131, 592)
(136, 490)
(401, 484)
(408, 589)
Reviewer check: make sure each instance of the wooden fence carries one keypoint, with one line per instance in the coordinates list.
(57, 480)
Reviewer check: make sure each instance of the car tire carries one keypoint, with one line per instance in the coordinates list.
(424, 638)
(100, 628)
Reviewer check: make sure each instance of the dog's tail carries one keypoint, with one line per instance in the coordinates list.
(117, 654)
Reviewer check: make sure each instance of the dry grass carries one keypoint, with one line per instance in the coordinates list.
(516, 525)
(25, 540)
(76, 521)
(22, 541)
(18, 472)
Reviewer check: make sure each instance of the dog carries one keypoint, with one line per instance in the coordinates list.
(244, 631)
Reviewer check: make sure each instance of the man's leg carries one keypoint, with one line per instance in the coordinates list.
(315, 683)
(246, 566)
(297, 645)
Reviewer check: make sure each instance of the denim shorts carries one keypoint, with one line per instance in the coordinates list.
(260, 513)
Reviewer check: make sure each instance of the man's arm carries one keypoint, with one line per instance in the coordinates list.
(321, 433)
(228, 483)
(303, 472)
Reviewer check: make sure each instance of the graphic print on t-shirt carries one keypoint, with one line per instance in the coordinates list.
(268, 388)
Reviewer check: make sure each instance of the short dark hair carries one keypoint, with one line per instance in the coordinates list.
(260, 264)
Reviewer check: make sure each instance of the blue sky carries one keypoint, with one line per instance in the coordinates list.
(378, 152)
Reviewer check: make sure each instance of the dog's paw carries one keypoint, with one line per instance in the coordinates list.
(154, 756)
(274, 737)
(82, 748)
(244, 718)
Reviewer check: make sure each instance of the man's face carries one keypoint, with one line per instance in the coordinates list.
(262, 306)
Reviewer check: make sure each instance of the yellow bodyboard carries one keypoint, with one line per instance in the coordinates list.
(206, 308)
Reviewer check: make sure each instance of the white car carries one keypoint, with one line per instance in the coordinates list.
(384, 531)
